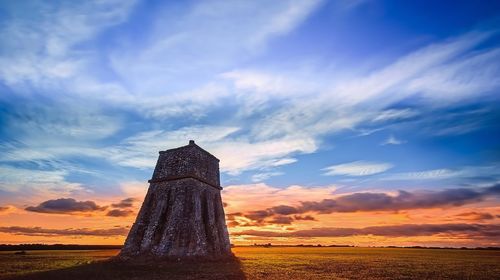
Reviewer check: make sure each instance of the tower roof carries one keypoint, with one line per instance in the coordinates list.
(190, 161)
(191, 145)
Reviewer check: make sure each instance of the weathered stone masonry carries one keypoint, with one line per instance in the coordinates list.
(182, 215)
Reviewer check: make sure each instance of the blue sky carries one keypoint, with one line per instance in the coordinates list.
(363, 95)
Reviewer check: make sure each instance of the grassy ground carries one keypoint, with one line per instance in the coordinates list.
(264, 263)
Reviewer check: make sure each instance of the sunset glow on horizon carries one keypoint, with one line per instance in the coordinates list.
(364, 123)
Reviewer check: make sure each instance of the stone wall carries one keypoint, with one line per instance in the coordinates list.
(181, 218)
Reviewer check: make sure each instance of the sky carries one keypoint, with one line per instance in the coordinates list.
(367, 123)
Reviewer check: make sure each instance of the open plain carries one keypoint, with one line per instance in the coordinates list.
(264, 263)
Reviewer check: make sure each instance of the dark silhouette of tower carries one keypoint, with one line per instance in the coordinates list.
(182, 215)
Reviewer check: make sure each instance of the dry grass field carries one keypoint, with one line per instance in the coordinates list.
(264, 263)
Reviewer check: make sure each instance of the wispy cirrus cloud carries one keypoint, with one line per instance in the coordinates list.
(42, 42)
(203, 43)
(141, 150)
(362, 99)
(28, 184)
(259, 177)
(292, 125)
(236, 154)
(357, 168)
(285, 21)
(395, 114)
(488, 172)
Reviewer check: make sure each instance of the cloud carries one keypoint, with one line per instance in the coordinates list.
(476, 216)
(403, 200)
(20, 176)
(27, 184)
(232, 216)
(460, 78)
(458, 129)
(242, 154)
(304, 218)
(56, 120)
(236, 154)
(197, 77)
(65, 205)
(394, 114)
(285, 21)
(296, 125)
(123, 208)
(465, 172)
(258, 215)
(357, 168)
(39, 231)
(265, 138)
(249, 197)
(379, 84)
(364, 98)
(120, 213)
(256, 87)
(427, 174)
(259, 177)
(281, 220)
(141, 150)
(284, 210)
(203, 43)
(370, 202)
(125, 203)
(6, 209)
(392, 141)
(279, 215)
(465, 231)
(134, 188)
(233, 224)
(42, 39)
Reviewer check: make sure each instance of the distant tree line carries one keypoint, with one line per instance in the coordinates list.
(17, 247)
(30, 247)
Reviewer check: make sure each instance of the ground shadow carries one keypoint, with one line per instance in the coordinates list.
(229, 269)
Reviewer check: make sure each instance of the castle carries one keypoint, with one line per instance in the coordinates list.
(182, 215)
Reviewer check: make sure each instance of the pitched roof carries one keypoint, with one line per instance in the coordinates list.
(191, 145)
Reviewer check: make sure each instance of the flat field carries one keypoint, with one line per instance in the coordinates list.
(264, 263)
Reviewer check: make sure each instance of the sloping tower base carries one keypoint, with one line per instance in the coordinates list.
(182, 216)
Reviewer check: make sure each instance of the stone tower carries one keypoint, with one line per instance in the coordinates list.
(182, 215)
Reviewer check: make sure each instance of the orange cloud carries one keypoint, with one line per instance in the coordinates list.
(6, 209)
(39, 231)
(120, 213)
(291, 215)
(468, 231)
(477, 216)
(125, 203)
